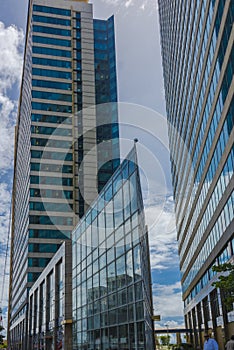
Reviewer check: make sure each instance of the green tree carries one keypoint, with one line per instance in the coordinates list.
(1, 336)
(226, 283)
(165, 339)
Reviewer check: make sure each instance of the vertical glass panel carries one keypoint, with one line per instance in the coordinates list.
(137, 262)
(101, 226)
(113, 336)
(129, 266)
(139, 311)
(127, 201)
(118, 201)
(133, 193)
(95, 238)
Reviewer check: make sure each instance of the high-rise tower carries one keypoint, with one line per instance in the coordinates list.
(69, 67)
(198, 61)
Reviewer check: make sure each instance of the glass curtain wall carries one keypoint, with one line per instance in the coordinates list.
(112, 303)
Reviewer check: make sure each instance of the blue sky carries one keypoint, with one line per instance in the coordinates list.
(142, 96)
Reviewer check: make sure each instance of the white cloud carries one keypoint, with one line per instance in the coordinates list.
(162, 235)
(4, 289)
(128, 3)
(7, 131)
(11, 58)
(139, 4)
(5, 202)
(168, 300)
(11, 47)
(5, 198)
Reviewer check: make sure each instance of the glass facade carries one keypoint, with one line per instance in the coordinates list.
(106, 96)
(51, 141)
(50, 309)
(51, 92)
(112, 301)
(198, 56)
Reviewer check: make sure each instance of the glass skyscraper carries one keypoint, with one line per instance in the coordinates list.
(69, 67)
(106, 96)
(99, 296)
(198, 62)
(111, 281)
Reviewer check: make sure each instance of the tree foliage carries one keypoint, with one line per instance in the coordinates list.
(1, 336)
(226, 283)
(1, 339)
(165, 339)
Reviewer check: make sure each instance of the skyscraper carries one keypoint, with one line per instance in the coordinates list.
(105, 300)
(69, 67)
(111, 280)
(198, 62)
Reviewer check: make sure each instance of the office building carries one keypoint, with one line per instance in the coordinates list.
(111, 281)
(99, 297)
(69, 67)
(198, 62)
(50, 304)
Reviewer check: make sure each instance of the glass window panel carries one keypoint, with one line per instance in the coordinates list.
(120, 266)
(129, 266)
(138, 291)
(110, 255)
(137, 262)
(54, 10)
(120, 248)
(113, 334)
(113, 317)
(118, 201)
(51, 30)
(119, 234)
(139, 311)
(123, 332)
(133, 193)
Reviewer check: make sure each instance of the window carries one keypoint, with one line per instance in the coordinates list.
(51, 41)
(51, 96)
(52, 73)
(51, 119)
(51, 30)
(50, 52)
(54, 10)
(52, 20)
(51, 62)
(51, 107)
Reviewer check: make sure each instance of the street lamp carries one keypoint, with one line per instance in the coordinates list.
(168, 339)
